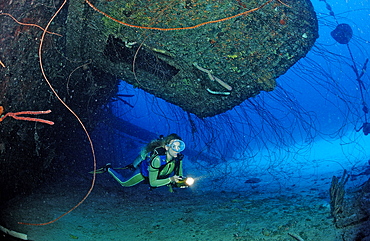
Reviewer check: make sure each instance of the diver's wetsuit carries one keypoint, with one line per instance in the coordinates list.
(158, 173)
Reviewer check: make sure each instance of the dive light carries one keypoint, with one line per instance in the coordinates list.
(184, 182)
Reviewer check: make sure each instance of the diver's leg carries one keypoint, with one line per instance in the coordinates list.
(130, 182)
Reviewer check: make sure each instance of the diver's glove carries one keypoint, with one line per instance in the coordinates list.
(174, 179)
(180, 156)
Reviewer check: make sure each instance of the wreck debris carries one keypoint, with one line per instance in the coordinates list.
(14, 234)
(218, 92)
(295, 236)
(349, 210)
(212, 77)
(337, 194)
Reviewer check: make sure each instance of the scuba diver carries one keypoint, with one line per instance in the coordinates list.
(159, 164)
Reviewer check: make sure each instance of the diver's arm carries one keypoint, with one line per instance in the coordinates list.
(180, 169)
(154, 173)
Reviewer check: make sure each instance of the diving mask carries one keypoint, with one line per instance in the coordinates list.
(177, 145)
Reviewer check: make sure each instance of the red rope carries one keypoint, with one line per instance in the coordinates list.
(179, 28)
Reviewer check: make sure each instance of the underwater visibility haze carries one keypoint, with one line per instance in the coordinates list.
(270, 98)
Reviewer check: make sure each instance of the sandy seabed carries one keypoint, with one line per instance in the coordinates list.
(112, 212)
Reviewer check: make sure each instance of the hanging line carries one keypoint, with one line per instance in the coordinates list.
(360, 82)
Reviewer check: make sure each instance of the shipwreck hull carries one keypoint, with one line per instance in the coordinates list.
(165, 53)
